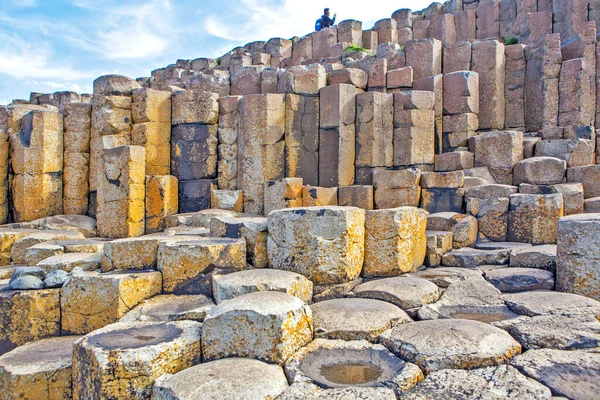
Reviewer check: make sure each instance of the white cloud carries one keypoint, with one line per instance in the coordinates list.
(24, 3)
(249, 20)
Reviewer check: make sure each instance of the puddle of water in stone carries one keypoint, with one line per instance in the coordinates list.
(144, 338)
(350, 373)
(479, 317)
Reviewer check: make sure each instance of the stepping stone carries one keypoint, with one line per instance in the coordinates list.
(557, 332)
(252, 229)
(122, 360)
(39, 252)
(93, 300)
(184, 219)
(355, 319)
(501, 382)
(95, 245)
(341, 364)
(502, 246)
(472, 299)
(242, 378)
(203, 218)
(66, 262)
(450, 343)
(551, 303)
(70, 222)
(136, 253)
(28, 315)
(228, 286)
(334, 291)
(8, 238)
(520, 279)
(445, 276)
(38, 370)
(307, 391)
(403, 291)
(269, 326)
(469, 258)
(574, 374)
(188, 266)
(325, 244)
(438, 243)
(169, 307)
(541, 257)
(18, 250)
(187, 231)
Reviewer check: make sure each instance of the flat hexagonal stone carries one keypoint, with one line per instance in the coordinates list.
(66, 262)
(542, 257)
(574, 374)
(501, 382)
(520, 279)
(445, 276)
(309, 391)
(470, 258)
(404, 291)
(239, 378)
(473, 299)
(268, 326)
(542, 302)
(341, 364)
(236, 284)
(450, 343)
(355, 319)
(169, 307)
(183, 230)
(70, 222)
(20, 247)
(38, 370)
(557, 332)
(502, 245)
(122, 360)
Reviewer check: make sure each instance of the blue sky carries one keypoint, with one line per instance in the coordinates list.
(52, 45)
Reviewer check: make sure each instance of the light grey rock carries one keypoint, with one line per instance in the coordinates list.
(68, 261)
(542, 257)
(26, 282)
(542, 302)
(402, 291)
(450, 343)
(501, 245)
(169, 307)
(355, 319)
(341, 364)
(445, 276)
(70, 222)
(28, 271)
(228, 286)
(574, 374)
(491, 383)
(520, 279)
(239, 378)
(557, 332)
(56, 279)
(470, 258)
(308, 391)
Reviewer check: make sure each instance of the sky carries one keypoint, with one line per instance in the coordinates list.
(55, 45)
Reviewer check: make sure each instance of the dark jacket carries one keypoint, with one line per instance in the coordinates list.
(327, 22)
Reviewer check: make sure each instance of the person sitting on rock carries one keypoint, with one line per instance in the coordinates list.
(326, 21)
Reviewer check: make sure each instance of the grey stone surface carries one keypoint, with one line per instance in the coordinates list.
(445, 276)
(542, 257)
(26, 282)
(541, 302)
(56, 279)
(520, 279)
(469, 258)
(167, 307)
(403, 291)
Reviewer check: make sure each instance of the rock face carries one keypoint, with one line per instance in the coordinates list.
(450, 343)
(325, 244)
(122, 360)
(247, 378)
(268, 326)
(38, 370)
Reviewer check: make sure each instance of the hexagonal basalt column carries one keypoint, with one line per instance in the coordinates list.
(121, 361)
(325, 244)
(268, 326)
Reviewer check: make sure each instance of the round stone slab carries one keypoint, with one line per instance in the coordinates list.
(404, 291)
(38, 370)
(239, 378)
(445, 276)
(355, 319)
(557, 332)
(268, 326)
(228, 286)
(125, 358)
(308, 391)
(501, 382)
(450, 343)
(574, 374)
(520, 279)
(551, 303)
(357, 363)
(168, 307)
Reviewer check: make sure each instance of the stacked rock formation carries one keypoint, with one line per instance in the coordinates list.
(409, 211)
